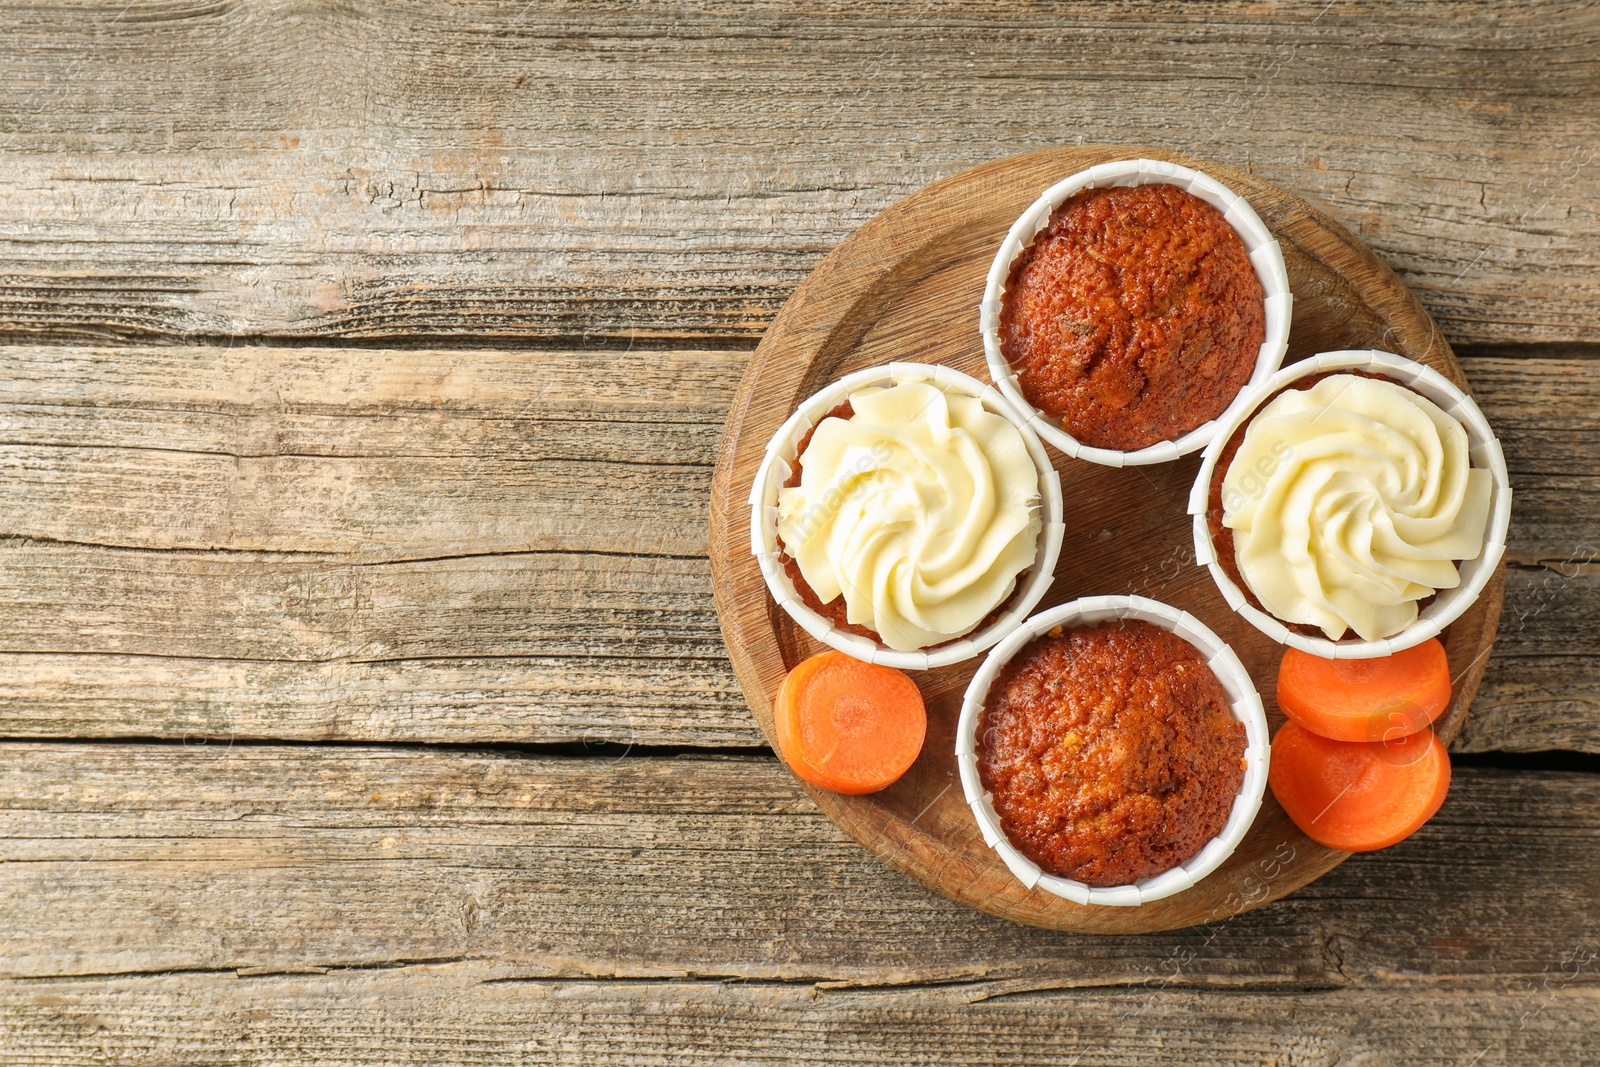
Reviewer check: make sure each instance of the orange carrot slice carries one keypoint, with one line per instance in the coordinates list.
(1358, 795)
(849, 726)
(1365, 699)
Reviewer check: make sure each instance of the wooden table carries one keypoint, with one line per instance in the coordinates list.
(362, 693)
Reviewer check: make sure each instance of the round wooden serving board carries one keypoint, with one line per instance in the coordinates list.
(906, 286)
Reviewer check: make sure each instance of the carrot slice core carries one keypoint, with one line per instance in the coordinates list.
(849, 726)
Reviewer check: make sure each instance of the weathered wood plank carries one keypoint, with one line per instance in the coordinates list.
(271, 608)
(589, 698)
(1526, 703)
(648, 406)
(1536, 702)
(380, 455)
(471, 1015)
(302, 485)
(386, 455)
(483, 648)
(206, 171)
(137, 859)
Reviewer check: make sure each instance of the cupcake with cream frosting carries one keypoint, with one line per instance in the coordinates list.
(909, 514)
(1357, 507)
(1368, 500)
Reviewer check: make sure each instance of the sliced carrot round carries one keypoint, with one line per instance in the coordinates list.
(1358, 795)
(1365, 699)
(849, 726)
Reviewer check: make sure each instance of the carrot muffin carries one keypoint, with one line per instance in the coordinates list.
(911, 511)
(1110, 752)
(1134, 316)
(1345, 504)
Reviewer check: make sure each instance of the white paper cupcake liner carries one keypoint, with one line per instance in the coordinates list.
(1242, 698)
(778, 463)
(1264, 252)
(1483, 447)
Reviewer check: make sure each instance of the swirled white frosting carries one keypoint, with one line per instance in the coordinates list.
(1350, 501)
(920, 510)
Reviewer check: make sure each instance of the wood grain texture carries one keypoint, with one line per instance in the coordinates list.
(518, 649)
(905, 287)
(618, 698)
(272, 905)
(157, 491)
(1541, 701)
(377, 455)
(492, 530)
(181, 169)
(473, 1015)
(384, 455)
(148, 860)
